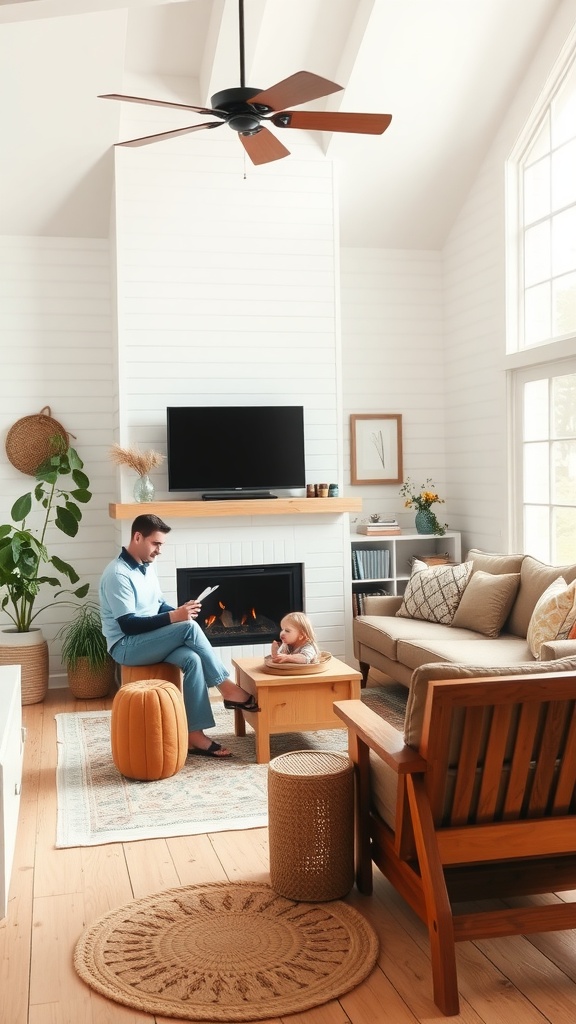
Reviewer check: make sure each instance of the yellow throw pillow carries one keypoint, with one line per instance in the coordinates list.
(553, 616)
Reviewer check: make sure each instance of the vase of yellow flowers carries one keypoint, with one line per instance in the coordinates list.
(426, 520)
(143, 463)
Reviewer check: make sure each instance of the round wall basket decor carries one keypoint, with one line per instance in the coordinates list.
(28, 442)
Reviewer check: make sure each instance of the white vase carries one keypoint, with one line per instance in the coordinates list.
(30, 651)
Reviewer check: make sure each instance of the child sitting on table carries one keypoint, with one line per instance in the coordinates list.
(298, 641)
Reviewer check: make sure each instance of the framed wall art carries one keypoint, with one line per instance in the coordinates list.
(376, 448)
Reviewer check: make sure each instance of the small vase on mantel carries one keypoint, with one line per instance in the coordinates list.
(144, 489)
(426, 521)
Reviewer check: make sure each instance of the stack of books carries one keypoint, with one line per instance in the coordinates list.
(383, 528)
(371, 565)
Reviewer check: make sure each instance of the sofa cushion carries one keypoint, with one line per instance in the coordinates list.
(486, 602)
(434, 594)
(464, 647)
(487, 561)
(382, 632)
(420, 678)
(535, 576)
(553, 616)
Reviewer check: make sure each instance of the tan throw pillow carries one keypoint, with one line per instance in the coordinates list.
(535, 577)
(553, 616)
(434, 594)
(486, 602)
(488, 561)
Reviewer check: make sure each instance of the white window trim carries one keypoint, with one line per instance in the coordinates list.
(516, 380)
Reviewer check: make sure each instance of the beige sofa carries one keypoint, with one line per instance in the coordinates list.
(490, 629)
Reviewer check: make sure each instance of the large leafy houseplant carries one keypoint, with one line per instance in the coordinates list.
(61, 485)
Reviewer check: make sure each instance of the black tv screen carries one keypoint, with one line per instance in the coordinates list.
(235, 448)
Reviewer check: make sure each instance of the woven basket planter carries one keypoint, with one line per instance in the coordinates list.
(87, 683)
(30, 651)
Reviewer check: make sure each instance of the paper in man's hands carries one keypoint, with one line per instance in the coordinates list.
(206, 592)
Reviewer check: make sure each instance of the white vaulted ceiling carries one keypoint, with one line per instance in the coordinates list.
(445, 69)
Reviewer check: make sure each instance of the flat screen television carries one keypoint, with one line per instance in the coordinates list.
(235, 451)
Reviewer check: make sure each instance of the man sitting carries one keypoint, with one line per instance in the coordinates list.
(142, 629)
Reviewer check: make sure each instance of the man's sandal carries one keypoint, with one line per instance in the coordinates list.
(211, 751)
(250, 704)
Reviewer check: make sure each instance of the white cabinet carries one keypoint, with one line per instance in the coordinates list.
(382, 565)
(11, 754)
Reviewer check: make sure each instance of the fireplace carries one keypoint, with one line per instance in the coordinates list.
(249, 603)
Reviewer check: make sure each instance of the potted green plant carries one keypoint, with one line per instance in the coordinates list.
(27, 567)
(90, 667)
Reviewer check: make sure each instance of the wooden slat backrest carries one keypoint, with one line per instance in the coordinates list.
(517, 751)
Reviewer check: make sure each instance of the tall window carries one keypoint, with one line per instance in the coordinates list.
(541, 215)
(546, 424)
(547, 223)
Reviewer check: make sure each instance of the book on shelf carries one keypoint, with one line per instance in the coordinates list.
(379, 529)
(371, 564)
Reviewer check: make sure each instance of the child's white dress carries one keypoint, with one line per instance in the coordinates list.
(308, 650)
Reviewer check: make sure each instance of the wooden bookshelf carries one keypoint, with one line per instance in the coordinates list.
(241, 507)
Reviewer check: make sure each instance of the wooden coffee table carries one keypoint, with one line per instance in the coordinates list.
(292, 703)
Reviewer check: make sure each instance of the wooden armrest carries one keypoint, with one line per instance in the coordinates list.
(380, 736)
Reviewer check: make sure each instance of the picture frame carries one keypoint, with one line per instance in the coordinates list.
(376, 448)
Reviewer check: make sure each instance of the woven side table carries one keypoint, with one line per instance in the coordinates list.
(311, 824)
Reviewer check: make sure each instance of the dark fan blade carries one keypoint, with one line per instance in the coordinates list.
(332, 121)
(299, 88)
(263, 147)
(160, 103)
(146, 139)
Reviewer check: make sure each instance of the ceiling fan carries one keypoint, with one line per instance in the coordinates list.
(246, 110)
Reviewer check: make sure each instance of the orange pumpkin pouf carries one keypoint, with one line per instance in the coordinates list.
(149, 731)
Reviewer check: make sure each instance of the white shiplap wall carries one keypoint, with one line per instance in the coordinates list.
(56, 330)
(227, 285)
(393, 360)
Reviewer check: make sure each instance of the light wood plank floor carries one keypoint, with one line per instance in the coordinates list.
(56, 893)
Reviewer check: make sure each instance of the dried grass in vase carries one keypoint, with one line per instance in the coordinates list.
(142, 462)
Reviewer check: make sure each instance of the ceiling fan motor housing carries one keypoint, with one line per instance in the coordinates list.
(240, 115)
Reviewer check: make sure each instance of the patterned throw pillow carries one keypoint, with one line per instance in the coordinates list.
(434, 594)
(554, 615)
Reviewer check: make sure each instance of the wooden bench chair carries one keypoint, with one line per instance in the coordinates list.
(483, 809)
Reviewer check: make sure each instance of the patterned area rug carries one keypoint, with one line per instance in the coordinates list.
(226, 952)
(96, 804)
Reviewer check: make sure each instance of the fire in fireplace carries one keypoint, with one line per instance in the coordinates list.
(249, 602)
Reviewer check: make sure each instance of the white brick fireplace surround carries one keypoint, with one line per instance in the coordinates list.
(320, 542)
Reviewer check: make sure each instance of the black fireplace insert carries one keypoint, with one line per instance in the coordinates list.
(249, 602)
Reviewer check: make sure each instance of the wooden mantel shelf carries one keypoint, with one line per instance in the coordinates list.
(240, 507)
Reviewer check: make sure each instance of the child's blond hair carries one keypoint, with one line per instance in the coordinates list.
(304, 626)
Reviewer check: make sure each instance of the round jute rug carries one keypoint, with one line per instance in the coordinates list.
(226, 952)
